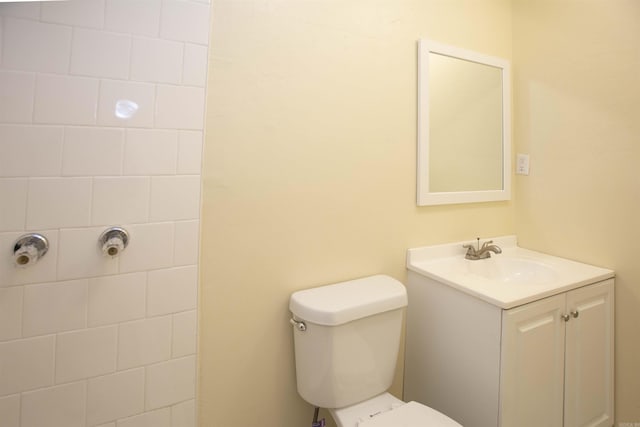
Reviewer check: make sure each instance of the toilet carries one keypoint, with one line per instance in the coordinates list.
(346, 339)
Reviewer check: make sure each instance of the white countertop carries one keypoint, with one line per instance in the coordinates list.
(514, 277)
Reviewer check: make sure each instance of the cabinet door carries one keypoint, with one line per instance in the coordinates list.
(531, 385)
(589, 357)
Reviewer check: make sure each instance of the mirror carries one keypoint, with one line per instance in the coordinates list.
(464, 126)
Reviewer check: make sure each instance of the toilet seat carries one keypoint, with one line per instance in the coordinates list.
(412, 414)
(385, 410)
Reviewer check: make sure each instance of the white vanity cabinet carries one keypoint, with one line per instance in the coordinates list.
(557, 360)
(546, 363)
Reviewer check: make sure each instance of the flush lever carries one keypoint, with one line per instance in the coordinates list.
(300, 325)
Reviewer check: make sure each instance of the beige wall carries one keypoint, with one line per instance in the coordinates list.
(577, 109)
(309, 175)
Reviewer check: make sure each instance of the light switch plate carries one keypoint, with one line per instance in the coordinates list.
(522, 164)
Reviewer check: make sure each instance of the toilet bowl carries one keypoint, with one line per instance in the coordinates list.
(386, 410)
(346, 339)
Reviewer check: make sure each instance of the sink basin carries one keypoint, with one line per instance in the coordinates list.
(511, 270)
(506, 268)
(514, 277)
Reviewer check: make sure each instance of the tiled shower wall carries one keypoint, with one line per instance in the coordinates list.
(101, 124)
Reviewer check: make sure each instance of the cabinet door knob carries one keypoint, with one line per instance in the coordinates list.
(565, 317)
(575, 313)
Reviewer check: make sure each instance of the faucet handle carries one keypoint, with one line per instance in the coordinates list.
(487, 243)
(471, 249)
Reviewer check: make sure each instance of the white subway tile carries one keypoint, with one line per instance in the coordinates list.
(80, 254)
(115, 396)
(158, 418)
(150, 247)
(195, 65)
(59, 406)
(16, 91)
(55, 307)
(21, 10)
(90, 151)
(43, 271)
(143, 342)
(134, 16)
(66, 100)
(172, 290)
(10, 411)
(30, 150)
(36, 46)
(185, 21)
(26, 364)
(86, 353)
(180, 107)
(127, 104)
(10, 313)
(154, 60)
(150, 152)
(187, 241)
(77, 13)
(189, 152)
(113, 400)
(170, 382)
(13, 193)
(184, 334)
(119, 298)
(120, 200)
(184, 414)
(100, 54)
(58, 202)
(175, 197)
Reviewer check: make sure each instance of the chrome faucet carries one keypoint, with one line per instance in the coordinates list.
(481, 252)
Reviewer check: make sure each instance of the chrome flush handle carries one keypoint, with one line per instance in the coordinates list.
(300, 325)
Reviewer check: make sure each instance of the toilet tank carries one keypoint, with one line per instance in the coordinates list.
(349, 349)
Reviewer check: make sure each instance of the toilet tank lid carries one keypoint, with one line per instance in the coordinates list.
(346, 301)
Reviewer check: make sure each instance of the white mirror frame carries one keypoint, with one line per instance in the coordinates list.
(425, 197)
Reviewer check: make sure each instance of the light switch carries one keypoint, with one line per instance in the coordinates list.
(522, 164)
